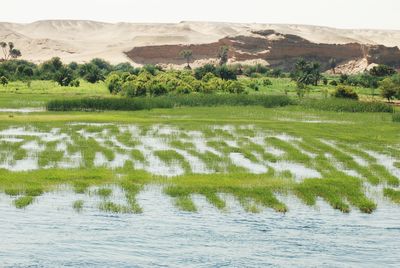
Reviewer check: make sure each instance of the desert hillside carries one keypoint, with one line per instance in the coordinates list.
(158, 43)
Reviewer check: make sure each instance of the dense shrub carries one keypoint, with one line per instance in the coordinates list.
(390, 87)
(333, 83)
(345, 93)
(131, 104)
(345, 105)
(3, 81)
(382, 70)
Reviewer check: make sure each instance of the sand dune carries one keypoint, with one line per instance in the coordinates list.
(82, 40)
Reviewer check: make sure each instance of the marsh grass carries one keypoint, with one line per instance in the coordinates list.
(104, 192)
(78, 205)
(23, 201)
(343, 105)
(80, 187)
(392, 194)
(134, 104)
(337, 192)
(108, 206)
(396, 117)
(131, 191)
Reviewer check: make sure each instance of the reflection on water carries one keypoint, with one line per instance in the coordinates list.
(50, 233)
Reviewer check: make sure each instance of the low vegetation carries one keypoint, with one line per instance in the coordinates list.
(332, 128)
(127, 104)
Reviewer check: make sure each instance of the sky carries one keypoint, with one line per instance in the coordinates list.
(374, 14)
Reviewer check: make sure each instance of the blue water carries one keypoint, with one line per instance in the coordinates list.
(49, 233)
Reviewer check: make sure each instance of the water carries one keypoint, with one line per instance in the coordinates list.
(50, 234)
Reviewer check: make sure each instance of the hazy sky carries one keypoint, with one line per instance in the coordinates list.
(382, 14)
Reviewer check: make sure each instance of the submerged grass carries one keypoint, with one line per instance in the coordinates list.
(394, 195)
(78, 205)
(23, 202)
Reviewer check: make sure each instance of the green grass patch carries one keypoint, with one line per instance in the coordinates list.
(343, 105)
(23, 202)
(134, 104)
(396, 117)
(78, 205)
(392, 194)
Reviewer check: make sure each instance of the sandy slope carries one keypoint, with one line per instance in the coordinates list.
(83, 40)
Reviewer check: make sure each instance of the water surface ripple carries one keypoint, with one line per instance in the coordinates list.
(50, 233)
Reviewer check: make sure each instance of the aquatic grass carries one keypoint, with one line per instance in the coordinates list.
(23, 202)
(13, 192)
(80, 187)
(78, 205)
(131, 191)
(134, 104)
(392, 194)
(108, 206)
(104, 192)
(335, 191)
(185, 203)
(343, 105)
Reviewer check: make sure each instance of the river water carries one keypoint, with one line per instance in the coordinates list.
(49, 233)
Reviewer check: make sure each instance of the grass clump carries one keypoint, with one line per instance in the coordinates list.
(78, 205)
(13, 192)
(134, 104)
(394, 195)
(23, 201)
(345, 105)
(80, 187)
(104, 192)
(131, 190)
(114, 208)
(396, 117)
(336, 192)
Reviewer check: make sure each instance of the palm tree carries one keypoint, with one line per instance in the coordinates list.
(187, 55)
(332, 64)
(12, 52)
(3, 46)
(223, 55)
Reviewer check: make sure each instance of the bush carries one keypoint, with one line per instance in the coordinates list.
(345, 93)
(347, 105)
(266, 82)
(382, 70)
(75, 83)
(390, 88)
(333, 83)
(3, 81)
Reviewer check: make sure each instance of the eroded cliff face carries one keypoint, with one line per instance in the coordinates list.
(279, 50)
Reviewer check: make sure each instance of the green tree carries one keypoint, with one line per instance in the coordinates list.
(114, 83)
(307, 73)
(64, 76)
(382, 70)
(389, 89)
(332, 65)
